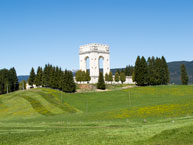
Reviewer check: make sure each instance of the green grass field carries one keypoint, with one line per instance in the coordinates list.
(161, 115)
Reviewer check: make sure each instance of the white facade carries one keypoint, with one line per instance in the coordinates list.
(94, 52)
(29, 86)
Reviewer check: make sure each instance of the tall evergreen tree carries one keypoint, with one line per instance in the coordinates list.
(111, 77)
(32, 76)
(83, 75)
(141, 71)
(106, 77)
(46, 75)
(14, 84)
(78, 76)
(151, 77)
(158, 71)
(87, 76)
(69, 85)
(117, 78)
(39, 77)
(122, 77)
(101, 82)
(4, 81)
(164, 71)
(184, 75)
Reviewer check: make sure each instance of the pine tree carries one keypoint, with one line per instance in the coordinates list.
(158, 71)
(4, 81)
(46, 75)
(69, 85)
(14, 84)
(32, 76)
(39, 77)
(122, 77)
(136, 74)
(117, 78)
(106, 77)
(141, 71)
(111, 77)
(87, 76)
(78, 76)
(151, 71)
(101, 82)
(165, 72)
(184, 75)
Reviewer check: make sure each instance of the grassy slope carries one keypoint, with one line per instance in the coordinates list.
(46, 116)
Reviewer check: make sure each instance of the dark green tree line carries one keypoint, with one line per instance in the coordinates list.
(53, 77)
(82, 76)
(151, 72)
(8, 81)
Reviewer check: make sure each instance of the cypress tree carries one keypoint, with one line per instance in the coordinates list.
(78, 76)
(32, 76)
(106, 77)
(184, 75)
(111, 77)
(87, 76)
(117, 78)
(101, 82)
(83, 76)
(122, 77)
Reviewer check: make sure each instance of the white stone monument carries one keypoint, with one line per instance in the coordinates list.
(94, 52)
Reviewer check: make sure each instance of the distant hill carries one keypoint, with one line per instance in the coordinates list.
(174, 68)
(23, 77)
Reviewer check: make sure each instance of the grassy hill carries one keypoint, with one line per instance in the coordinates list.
(140, 115)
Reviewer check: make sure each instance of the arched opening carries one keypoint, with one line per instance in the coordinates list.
(101, 64)
(87, 63)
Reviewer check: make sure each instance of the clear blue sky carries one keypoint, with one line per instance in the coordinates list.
(36, 32)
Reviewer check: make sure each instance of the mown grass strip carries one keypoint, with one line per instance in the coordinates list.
(64, 106)
(37, 106)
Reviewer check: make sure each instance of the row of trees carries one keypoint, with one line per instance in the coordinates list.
(82, 76)
(8, 81)
(154, 71)
(119, 76)
(109, 78)
(53, 77)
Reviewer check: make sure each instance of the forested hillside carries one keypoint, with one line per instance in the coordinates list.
(174, 68)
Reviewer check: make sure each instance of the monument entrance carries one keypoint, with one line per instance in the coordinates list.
(94, 52)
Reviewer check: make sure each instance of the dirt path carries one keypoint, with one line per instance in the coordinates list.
(106, 90)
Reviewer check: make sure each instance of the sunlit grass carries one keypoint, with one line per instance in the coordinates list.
(140, 115)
